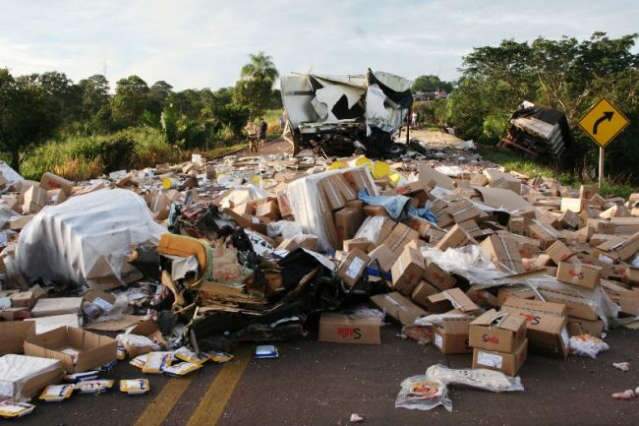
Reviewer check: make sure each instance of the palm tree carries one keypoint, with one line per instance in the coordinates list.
(261, 67)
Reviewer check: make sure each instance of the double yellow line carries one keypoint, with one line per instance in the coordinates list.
(211, 406)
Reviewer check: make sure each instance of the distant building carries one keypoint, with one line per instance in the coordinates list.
(429, 96)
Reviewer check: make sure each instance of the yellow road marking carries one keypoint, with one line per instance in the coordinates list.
(211, 407)
(156, 412)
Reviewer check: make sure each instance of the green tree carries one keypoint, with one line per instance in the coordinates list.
(430, 83)
(130, 101)
(158, 95)
(25, 117)
(254, 89)
(260, 67)
(95, 95)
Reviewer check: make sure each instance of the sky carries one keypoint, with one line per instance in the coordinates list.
(197, 44)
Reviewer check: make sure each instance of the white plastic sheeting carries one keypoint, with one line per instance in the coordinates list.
(310, 209)
(17, 370)
(86, 239)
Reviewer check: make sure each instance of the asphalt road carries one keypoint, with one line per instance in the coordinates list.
(315, 383)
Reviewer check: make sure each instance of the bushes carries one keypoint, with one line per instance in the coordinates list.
(84, 157)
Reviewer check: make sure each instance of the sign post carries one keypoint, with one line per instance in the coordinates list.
(603, 123)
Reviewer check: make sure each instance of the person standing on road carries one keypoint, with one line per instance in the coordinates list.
(413, 120)
(261, 133)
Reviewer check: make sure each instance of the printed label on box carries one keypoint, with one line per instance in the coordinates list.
(439, 341)
(354, 268)
(489, 360)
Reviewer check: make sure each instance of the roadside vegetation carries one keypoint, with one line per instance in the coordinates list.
(82, 130)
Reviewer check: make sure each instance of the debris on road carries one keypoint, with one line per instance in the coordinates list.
(171, 267)
(623, 366)
(356, 418)
(627, 395)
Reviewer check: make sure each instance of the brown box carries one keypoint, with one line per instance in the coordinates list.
(578, 326)
(437, 276)
(622, 248)
(356, 244)
(454, 298)
(559, 252)
(398, 307)
(507, 363)
(375, 229)
(571, 204)
(342, 328)
(421, 294)
(504, 253)
(57, 306)
(35, 198)
(284, 205)
(375, 211)
(384, 257)
(497, 331)
(268, 210)
(542, 232)
(577, 305)
(407, 271)
(51, 181)
(631, 275)
(352, 268)
(546, 324)
(399, 237)
(421, 226)
(455, 237)
(78, 350)
(579, 274)
(14, 334)
(347, 222)
(451, 337)
(629, 302)
(517, 225)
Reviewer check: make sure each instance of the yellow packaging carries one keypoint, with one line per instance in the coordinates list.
(135, 386)
(56, 393)
(12, 410)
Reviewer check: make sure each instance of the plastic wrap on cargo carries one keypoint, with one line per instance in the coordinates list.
(86, 239)
(469, 263)
(309, 207)
(17, 370)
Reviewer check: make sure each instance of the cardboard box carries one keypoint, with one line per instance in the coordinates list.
(347, 222)
(542, 232)
(375, 211)
(342, 328)
(455, 237)
(421, 294)
(352, 268)
(559, 252)
(504, 253)
(35, 198)
(361, 244)
(79, 350)
(407, 271)
(577, 305)
(629, 302)
(436, 276)
(51, 181)
(375, 229)
(463, 210)
(622, 248)
(399, 237)
(398, 307)
(631, 275)
(579, 274)
(578, 326)
(517, 225)
(23, 377)
(507, 363)
(384, 257)
(497, 331)
(571, 204)
(546, 324)
(454, 298)
(13, 335)
(268, 210)
(17, 223)
(57, 306)
(451, 337)
(284, 205)
(421, 226)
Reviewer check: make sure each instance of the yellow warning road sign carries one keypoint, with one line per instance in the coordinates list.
(603, 122)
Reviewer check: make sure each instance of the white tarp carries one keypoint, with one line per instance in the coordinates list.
(86, 239)
(17, 370)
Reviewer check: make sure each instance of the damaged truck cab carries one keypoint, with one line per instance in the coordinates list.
(337, 114)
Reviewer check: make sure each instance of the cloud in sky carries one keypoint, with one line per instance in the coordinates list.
(197, 43)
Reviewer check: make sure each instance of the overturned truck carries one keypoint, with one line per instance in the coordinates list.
(541, 133)
(338, 114)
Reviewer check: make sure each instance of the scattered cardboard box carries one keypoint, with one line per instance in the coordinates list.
(497, 331)
(507, 363)
(579, 274)
(407, 271)
(343, 328)
(398, 307)
(352, 268)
